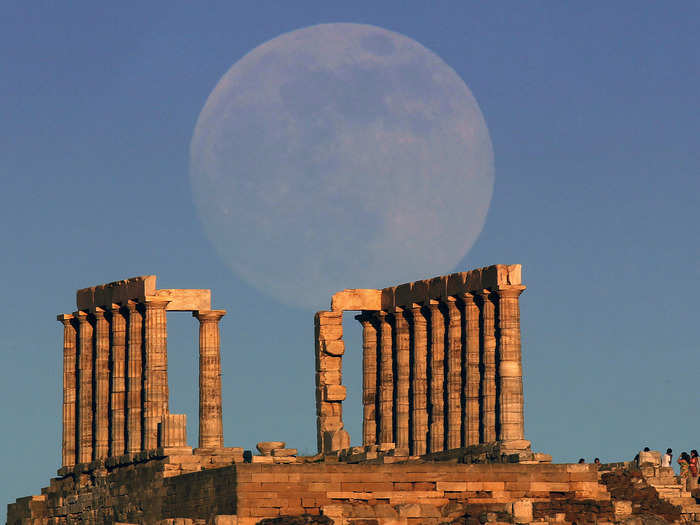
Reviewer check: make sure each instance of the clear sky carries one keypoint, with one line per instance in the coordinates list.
(594, 114)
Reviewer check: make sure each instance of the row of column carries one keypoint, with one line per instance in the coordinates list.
(115, 380)
(444, 374)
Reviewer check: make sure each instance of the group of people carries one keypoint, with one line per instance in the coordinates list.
(688, 464)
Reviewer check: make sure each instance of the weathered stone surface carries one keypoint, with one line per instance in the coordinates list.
(266, 447)
(357, 299)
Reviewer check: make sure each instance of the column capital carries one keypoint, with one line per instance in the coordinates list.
(432, 305)
(211, 316)
(510, 291)
(98, 312)
(65, 318)
(114, 307)
(81, 316)
(367, 316)
(153, 302)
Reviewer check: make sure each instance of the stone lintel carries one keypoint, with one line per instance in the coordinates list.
(139, 289)
(494, 277)
(357, 299)
(186, 300)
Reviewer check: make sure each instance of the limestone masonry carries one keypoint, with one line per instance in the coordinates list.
(442, 432)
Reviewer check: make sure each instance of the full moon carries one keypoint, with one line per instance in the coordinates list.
(340, 156)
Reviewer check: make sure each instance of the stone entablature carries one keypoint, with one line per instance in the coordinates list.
(442, 363)
(115, 371)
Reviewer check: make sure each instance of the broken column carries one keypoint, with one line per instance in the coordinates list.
(156, 392)
(134, 377)
(211, 429)
(510, 374)
(68, 456)
(172, 431)
(118, 382)
(369, 377)
(84, 416)
(330, 393)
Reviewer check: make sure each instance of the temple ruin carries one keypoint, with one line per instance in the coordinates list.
(442, 429)
(115, 371)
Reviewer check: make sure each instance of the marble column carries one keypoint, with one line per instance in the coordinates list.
(85, 359)
(156, 393)
(401, 344)
(369, 377)
(117, 325)
(419, 381)
(437, 378)
(472, 369)
(101, 385)
(454, 374)
(386, 379)
(69, 390)
(134, 379)
(211, 427)
(488, 366)
(510, 375)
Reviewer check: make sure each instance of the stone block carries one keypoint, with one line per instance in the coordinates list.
(653, 457)
(451, 486)
(357, 299)
(262, 459)
(226, 519)
(334, 393)
(437, 287)
(522, 511)
(388, 298)
(336, 347)
(622, 508)
(266, 447)
(330, 332)
(282, 452)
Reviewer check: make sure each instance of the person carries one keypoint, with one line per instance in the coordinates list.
(596, 461)
(666, 458)
(693, 468)
(684, 462)
(580, 461)
(646, 449)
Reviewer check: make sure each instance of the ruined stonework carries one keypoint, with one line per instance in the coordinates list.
(442, 364)
(442, 423)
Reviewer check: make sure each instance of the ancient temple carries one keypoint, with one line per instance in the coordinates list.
(442, 364)
(115, 371)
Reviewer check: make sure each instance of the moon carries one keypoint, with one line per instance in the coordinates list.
(340, 156)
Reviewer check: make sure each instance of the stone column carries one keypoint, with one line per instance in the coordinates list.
(156, 393)
(402, 358)
(330, 393)
(369, 377)
(134, 380)
(69, 390)
(211, 426)
(117, 445)
(510, 374)
(488, 377)
(386, 380)
(101, 385)
(419, 381)
(437, 378)
(85, 356)
(472, 370)
(454, 375)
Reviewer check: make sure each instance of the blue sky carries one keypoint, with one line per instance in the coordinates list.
(594, 115)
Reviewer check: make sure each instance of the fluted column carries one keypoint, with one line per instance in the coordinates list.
(472, 373)
(134, 379)
(211, 427)
(117, 325)
(437, 378)
(386, 380)
(454, 375)
(68, 452)
(156, 391)
(101, 385)
(85, 356)
(419, 381)
(402, 358)
(510, 375)
(488, 376)
(369, 377)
